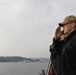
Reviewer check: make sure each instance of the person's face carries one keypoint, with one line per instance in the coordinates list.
(68, 28)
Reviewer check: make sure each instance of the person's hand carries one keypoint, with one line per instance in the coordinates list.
(51, 48)
(58, 32)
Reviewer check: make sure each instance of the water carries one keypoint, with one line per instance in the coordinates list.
(22, 68)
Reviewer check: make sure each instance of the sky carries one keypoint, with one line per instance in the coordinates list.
(28, 26)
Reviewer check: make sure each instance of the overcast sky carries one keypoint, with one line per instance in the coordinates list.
(27, 26)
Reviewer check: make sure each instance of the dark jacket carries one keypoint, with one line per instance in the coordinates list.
(66, 50)
(56, 56)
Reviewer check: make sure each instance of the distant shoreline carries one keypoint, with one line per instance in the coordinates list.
(21, 59)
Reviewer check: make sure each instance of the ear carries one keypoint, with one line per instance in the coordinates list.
(73, 24)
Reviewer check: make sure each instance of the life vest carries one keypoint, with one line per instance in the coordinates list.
(51, 71)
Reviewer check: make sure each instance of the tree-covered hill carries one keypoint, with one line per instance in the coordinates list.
(17, 59)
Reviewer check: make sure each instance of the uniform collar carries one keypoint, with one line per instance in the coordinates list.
(70, 36)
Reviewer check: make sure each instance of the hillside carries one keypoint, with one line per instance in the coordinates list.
(17, 59)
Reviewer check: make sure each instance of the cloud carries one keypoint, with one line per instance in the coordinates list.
(27, 26)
